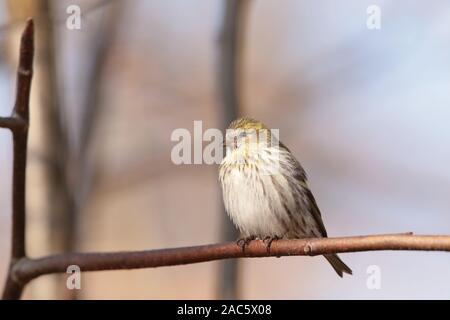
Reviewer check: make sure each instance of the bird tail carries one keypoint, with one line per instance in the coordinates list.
(338, 265)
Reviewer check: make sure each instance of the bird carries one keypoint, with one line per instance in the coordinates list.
(265, 189)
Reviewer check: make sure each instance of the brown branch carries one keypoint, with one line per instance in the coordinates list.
(12, 123)
(18, 124)
(28, 269)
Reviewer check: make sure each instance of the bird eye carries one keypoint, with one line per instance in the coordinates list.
(242, 134)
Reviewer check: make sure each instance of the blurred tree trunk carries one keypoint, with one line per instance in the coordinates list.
(61, 173)
(72, 171)
(56, 136)
(102, 41)
(229, 70)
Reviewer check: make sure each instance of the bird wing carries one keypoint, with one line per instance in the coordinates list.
(315, 211)
(303, 181)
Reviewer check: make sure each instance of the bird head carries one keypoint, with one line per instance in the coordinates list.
(246, 133)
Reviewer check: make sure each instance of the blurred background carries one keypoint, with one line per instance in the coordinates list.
(366, 112)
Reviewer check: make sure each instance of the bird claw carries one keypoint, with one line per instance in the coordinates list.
(244, 242)
(268, 241)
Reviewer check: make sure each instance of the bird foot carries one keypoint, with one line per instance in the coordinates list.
(268, 241)
(244, 242)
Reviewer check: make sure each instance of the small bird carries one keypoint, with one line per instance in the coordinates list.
(265, 189)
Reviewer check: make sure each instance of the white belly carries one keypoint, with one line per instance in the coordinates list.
(252, 206)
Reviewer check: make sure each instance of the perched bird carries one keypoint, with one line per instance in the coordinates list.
(265, 189)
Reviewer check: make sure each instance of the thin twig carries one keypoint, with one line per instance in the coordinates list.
(27, 269)
(11, 123)
(18, 123)
(21, 114)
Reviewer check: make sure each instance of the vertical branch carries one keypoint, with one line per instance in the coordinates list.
(229, 69)
(20, 137)
(18, 124)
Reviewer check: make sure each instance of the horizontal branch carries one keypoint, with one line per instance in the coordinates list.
(13, 123)
(27, 269)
